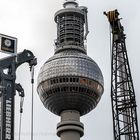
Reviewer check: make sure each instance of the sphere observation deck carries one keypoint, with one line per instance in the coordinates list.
(70, 80)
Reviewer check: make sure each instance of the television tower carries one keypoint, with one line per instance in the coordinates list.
(70, 84)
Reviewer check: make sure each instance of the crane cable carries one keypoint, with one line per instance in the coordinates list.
(20, 90)
(21, 111)
(110, 43)
(32, 109)
(32, 106)
(112, 18)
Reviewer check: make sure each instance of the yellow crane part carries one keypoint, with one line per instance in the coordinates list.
(112, 16)
(114, 20)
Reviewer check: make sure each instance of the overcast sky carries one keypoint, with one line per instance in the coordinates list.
(32, 22)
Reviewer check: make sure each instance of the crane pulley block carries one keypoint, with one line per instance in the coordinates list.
(114, 20)
(112, 16)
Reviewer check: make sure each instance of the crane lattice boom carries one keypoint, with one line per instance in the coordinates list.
(122, 90)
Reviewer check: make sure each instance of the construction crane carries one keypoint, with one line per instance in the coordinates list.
(8, 89)
(123, 100)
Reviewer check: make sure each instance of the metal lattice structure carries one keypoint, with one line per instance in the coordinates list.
(122, 89)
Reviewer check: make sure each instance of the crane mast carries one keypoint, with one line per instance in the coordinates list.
(8, 89)
(123, 100)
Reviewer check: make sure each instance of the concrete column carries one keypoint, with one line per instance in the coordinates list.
(70, 127)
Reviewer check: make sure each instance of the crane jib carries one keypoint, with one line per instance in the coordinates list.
(124, 112)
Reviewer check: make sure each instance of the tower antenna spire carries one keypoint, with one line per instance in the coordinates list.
(70, 3)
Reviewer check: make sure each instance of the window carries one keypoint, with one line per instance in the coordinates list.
(54, 81)
(83, 81)
(76, 88)
(58, 89)
(60, 80)
(62, 89)
(71, 89)
(77, 79)
(53, 90)
(80, 89)
(64, 79)
(67, 79)
(65, 89)
(89, 82)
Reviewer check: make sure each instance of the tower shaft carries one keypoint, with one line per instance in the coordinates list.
(70, 127)
(122, 89)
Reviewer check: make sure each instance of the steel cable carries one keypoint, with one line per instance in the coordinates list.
(32, 106)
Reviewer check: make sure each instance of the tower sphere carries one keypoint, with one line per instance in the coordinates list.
(70, 80)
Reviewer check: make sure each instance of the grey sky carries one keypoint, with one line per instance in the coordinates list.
(31, 21)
